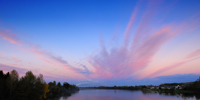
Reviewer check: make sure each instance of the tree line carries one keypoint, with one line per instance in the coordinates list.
(30, 87)
(114, 87)
(189, 86)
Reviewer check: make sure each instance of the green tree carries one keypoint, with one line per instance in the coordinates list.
(46, 90)
(39, 87)
(54, 83)
(14, 76)
(59, 85)
(12, 82)
(30, 87)
(4, 88)
(66, 85)
(53, 89)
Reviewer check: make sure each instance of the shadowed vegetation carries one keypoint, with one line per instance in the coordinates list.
(30, 87)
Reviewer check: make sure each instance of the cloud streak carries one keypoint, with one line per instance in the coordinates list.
(193, 54)
(135, 53)
(10, 68)
(190, 57)
(175, 65)
(12, 38)
(124, 61)
(41, 55)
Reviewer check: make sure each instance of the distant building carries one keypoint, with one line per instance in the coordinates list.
(152, 87)
(178, 87)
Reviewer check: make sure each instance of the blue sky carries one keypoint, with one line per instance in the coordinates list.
(97, 40)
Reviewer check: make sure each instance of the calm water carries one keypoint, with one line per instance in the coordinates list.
(103, 94)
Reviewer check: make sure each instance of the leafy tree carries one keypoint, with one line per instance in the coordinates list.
(7, 88)
(66, 85)
(59, 85)
(115, 86)
(2, 82)
(39, 87)
(30, 87)
(12, 82)
(53, 89)
(4, 88)
(1, 74)
(54, 83)
(29, 80)
(14, 76)
(46, 90)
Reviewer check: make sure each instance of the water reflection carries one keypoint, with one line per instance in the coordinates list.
(63, 97)
(180, 95)
(102, 94)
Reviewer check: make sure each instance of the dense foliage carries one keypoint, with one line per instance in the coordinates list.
(189, 86)
(30, 87)
(193, 86)
(56, 89)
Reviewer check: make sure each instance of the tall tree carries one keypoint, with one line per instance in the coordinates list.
(14, 75)
(59, 84)
(4, 88)
(46, 90)
(12, 82)
(66, 85)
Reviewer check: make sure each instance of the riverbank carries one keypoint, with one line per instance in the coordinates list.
(175, 91)
(66, 93)
(115, 87)
(178, 93)
(30, 87)
(116, 94)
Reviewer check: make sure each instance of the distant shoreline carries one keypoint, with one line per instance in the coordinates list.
(188, 87)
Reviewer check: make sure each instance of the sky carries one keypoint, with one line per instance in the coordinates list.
(102, 42)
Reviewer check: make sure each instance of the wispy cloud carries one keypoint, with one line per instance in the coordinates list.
(7, 35)
(124, 61)
(135, 53)
(47, 57)
(127, 33)
(195, 53)
(9, 68)
(190, 57)
(167, 68)
(12, 38)
(16, 59)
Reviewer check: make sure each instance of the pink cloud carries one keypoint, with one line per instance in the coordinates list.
(190, 57)
(194, 54)
(127, 33)
(47, 61)
(55, 61)
(41, 55)
(35, 50)
(167, 68)
(124, 61)
(7, 35)
(12, 38)
(9, 68)
(144, 53)
(120, 62)
(146, 21)
(16, 59)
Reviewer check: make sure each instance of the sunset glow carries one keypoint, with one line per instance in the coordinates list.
(93, 43)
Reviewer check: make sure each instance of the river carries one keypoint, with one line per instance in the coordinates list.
(103, 94)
